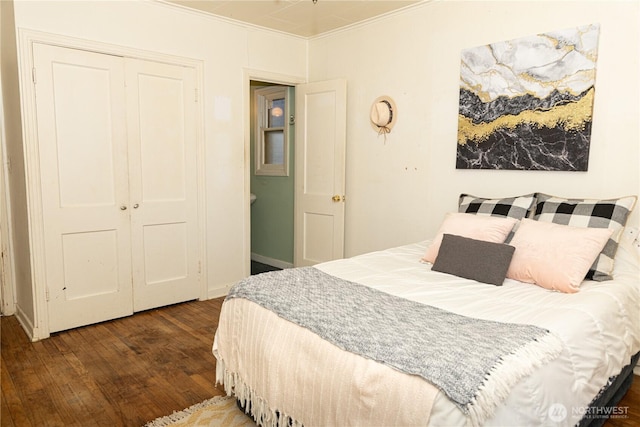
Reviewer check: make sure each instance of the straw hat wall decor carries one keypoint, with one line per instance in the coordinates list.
(383, 114)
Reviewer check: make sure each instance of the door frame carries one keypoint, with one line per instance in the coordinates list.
(267, 77)
(37, 326)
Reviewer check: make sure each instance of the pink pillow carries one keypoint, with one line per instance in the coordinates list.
(478, 227)
(555, 256)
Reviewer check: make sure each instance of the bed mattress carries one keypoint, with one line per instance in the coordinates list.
(599, 327)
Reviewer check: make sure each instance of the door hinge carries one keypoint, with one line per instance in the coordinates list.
(46, 294)
(33, 75)
(196, 95)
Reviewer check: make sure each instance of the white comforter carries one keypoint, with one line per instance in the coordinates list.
(599, 326)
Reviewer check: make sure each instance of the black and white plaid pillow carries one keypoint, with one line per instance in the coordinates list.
(513, 207)
(608, 213)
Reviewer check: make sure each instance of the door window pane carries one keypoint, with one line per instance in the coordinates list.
(274, 147)
(276, 113)
(271, 128)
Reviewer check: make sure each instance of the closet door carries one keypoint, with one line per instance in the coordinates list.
(82, 147)
(161, 116)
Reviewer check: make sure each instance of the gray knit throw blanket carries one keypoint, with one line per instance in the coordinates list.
(474, 362)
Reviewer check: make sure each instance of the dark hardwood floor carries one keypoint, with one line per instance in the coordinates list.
(129, 371)
(258, 267)
(124, 372)
(630, 408)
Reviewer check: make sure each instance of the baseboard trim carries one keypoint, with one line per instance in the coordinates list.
(27, 325)
(270, 261)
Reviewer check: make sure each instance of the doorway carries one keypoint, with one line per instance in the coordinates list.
(318, 168)
(272, 145)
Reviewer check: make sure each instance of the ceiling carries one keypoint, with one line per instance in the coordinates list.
(299, 17)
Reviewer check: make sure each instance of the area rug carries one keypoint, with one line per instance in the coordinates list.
(220, 411)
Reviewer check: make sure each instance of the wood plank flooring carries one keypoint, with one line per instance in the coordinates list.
(630, 407)
(128, 371)
(124, 372)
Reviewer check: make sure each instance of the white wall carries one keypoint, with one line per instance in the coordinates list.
(227, 50)
(19, 260)
(399, 190)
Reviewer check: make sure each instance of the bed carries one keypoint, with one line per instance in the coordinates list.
(511, 353)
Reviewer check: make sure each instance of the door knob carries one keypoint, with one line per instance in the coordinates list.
(337, 198)
(136, 206)
(123, 208)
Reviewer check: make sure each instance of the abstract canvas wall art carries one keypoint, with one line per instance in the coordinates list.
(527, 104)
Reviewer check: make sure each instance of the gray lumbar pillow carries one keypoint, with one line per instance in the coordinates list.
(485, 262)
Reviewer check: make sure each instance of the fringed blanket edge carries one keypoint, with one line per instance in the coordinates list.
(260, 409)
(499, 382)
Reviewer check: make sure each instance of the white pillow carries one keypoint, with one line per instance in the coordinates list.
(478, 227)
(555, 256)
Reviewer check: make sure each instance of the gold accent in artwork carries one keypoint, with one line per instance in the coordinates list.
(570, 117)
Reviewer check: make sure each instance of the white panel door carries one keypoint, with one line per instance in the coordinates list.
(82, 146)
(320, 171)
(161, 111)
